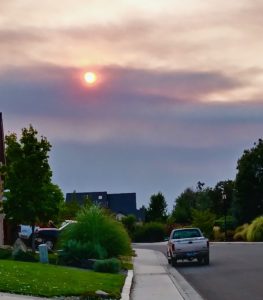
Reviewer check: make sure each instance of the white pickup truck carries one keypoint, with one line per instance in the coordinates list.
(187, 243)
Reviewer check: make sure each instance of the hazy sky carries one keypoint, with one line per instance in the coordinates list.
(177, 101)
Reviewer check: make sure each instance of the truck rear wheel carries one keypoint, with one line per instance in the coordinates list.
(169, 258)
(206, 259)
(174, 262)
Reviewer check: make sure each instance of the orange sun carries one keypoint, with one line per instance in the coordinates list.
(90, 78)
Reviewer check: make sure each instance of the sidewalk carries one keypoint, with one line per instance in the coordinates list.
(151, 281)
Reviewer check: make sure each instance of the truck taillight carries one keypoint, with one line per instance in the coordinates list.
(207, 244)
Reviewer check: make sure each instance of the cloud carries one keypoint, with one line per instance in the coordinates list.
(194, 36)
(128, 106)
(155, 120)
(54, 85)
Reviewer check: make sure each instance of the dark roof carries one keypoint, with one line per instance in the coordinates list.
(124, 203)
(95, 197)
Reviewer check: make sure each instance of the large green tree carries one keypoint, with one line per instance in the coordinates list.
(182, 211)
(31, 196)
(157, 210)
(249, 184)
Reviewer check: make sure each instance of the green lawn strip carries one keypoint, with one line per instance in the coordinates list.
(48, 280)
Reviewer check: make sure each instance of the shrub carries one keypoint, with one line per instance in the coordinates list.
(95, 235)
(24, 256)
(230, 223)
(5, 253)
(204, 220)
(217, 234)
(112, 265)
(129, 223)
(255, 230)
(150, 232)
(241, 233)
(74, 252)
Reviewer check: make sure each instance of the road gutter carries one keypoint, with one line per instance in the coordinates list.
(184, 288)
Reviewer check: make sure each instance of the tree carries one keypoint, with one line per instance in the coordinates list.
(248, 201)
(157, 210)
(129, 223)
(203, 220)
(182, 211)
(69, 209)
(54, 200)
(31, 197)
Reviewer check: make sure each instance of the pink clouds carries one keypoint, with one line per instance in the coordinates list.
(164, 67)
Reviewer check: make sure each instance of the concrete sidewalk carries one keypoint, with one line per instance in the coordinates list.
(151, 280)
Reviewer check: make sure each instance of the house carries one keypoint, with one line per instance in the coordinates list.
(122, 204)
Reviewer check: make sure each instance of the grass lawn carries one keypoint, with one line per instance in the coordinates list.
(50, 280)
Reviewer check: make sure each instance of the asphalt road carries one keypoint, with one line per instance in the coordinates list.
(235, 271)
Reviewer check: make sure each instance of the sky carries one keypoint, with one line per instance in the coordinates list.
(177, 100)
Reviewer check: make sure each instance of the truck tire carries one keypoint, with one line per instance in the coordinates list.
(169, 258)
(174, 262)
(206, 259)
(200, 260)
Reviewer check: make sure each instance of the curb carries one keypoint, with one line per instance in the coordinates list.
(125, 294)
(184, 288)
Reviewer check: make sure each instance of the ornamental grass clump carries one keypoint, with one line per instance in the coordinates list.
(241, 233)
(96, 235)
(112, 265)
(255, 230)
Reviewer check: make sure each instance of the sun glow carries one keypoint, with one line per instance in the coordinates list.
(90, 78)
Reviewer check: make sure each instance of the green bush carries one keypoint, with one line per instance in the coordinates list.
(149, 232)
(204, 220)
(5, 253)
(24, 256)
(74, 252)
(95, 235)
(129, 223)
(112, 265)
(255, 230)
(241, 233)
(230, 223)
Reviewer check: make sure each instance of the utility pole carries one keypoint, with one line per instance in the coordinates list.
(224, 207)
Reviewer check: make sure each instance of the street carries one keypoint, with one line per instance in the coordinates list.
(235, 271)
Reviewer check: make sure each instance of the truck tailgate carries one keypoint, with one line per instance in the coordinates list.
(190, 244)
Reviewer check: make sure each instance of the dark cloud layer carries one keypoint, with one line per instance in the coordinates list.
(44, 87)
(136, 131)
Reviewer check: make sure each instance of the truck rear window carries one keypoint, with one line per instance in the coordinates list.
(186, 233)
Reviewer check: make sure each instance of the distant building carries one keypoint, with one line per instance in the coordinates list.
(122, 204)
